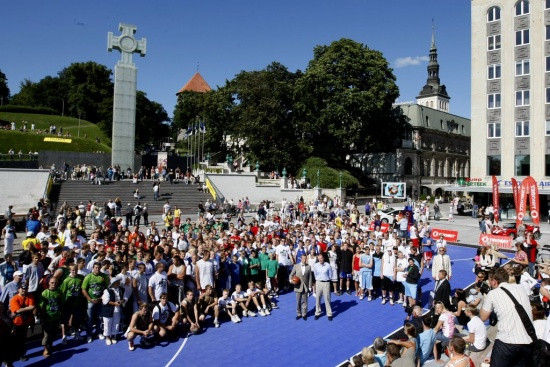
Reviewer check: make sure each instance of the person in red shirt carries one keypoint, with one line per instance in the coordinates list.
(22, 308)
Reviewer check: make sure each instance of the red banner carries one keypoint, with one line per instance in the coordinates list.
(495, 200)
(522, 203)
(534, 200)
(448, 235)
(503, 242)
(528, 187)
(384, 227)
(515, 191)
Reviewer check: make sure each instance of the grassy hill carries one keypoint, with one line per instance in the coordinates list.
(31, 141)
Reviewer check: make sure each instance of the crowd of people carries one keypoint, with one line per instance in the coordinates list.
(83, 276)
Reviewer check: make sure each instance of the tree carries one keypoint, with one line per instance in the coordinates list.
(4, 90)
(213, 108)
(264, 117)
(344, 101)
(150, 122)
(88, 90)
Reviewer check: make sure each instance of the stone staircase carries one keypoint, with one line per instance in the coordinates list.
(186, 197)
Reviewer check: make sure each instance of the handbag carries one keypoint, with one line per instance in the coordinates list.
(540, 348)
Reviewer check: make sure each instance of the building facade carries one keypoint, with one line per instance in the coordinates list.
(435, 154)
(510, 95)
(511, 89)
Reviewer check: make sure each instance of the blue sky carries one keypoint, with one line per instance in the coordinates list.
(40, 38)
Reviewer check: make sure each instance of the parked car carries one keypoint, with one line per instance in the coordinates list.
(387, 215)
(509, 229)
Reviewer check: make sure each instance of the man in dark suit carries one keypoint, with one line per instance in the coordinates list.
(442, 290)
(303, 271)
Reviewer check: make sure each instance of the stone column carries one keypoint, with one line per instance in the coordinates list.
(124, 101)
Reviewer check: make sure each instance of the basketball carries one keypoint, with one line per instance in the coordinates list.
(295, 280)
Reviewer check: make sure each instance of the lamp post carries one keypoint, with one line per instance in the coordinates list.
(304, 173)
(318, 174)
(284, 172)
(340, 174)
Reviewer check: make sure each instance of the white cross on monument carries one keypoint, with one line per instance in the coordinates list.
(124, 99)
(126, 43)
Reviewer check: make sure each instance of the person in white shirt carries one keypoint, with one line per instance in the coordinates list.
(512, 345)
(441, 242)
(204, 271)
(158, 283)
(477, 336)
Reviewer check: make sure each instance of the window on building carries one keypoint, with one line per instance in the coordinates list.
(522, 37)
(493, 14)
(493, 100)
(522, 128)
(493, 71)
(522, 97)
(427, 121)
(547, 63)
(522, 165)
(493, 42)
(548, 32)
(493, 165)
(547, 4)
(493, 130)
(547, 95)
(547, 127)
(408, 166)
(547, 165)
(441, 122)
(522, 67)
(522, 7)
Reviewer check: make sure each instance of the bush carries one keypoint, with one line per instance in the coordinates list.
(28, 109)
(329, 178)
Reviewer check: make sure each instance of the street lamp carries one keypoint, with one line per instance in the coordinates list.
(318, 174)
(304, 173)
(340, 174)
(284, 172)
(257, 166)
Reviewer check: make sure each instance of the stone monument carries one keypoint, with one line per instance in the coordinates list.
(124, 102)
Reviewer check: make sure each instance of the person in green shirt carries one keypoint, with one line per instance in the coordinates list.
(264, 258)
(254, 266)
(51, 301)
(271, 270)
(73, 301)
(92, 288)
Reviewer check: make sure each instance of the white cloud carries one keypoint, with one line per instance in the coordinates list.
(408, 61)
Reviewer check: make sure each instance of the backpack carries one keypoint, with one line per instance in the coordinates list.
(137, 210)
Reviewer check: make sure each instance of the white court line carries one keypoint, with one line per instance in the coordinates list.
(178, 352)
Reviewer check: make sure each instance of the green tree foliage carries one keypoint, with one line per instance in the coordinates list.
(328, 177)
(213, 108)
(85, 90)
(264, 117)
(344, 100)
(88, 90)
(150, 122)
(4, 90)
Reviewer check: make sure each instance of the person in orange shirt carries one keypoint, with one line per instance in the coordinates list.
(22, 307)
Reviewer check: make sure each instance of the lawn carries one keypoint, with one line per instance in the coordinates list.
(31, 141)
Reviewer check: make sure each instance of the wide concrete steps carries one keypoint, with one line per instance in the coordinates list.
(186, 197)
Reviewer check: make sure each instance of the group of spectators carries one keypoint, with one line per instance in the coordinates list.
(88, 276)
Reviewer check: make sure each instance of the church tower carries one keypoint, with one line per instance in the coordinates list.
(434, 95)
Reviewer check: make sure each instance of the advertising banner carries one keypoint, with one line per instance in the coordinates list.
(503, 242)
(384, 227)
(396, 190)
(515, 191)
(448, 235)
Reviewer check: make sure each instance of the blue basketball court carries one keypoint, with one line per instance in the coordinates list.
(275, 340)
